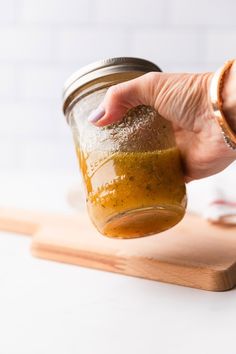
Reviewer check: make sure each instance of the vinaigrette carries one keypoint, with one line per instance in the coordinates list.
(133, 194)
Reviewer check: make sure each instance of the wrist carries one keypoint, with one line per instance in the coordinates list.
(229, 97)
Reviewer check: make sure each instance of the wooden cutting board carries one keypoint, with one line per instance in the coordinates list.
(194, 253)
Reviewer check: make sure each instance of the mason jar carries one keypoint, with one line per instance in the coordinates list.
(131, 170)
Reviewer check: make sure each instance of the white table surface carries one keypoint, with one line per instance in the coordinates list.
(48, 308)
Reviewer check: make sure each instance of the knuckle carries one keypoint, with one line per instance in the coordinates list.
(152, 81)
(152, 76)
(114, 92)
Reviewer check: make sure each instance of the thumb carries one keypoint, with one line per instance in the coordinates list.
(122, 97)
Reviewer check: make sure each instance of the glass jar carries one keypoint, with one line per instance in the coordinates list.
(132, 169)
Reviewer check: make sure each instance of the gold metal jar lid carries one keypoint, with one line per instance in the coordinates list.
(100, 69)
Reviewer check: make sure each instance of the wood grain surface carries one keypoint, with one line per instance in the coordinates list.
(194, 253)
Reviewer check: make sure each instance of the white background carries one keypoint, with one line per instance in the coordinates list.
(44, 41)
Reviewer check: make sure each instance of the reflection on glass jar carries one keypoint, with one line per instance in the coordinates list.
(131, 170)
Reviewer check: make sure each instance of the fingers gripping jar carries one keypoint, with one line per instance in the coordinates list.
(132, 169)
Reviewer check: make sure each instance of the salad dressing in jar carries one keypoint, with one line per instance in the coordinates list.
(132, 169)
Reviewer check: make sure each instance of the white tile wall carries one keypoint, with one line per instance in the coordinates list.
(221, 45)
(21, 44)
(131, 12)
(21, 118)
(8, 13)
(84, 45)
(53, 12)
(207, 13)
(7, 81)
(41, 82)
(43, 41)
(167, 45)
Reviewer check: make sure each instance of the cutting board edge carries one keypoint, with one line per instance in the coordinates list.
(218, 280)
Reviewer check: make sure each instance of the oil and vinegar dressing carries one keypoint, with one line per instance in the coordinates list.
(144, 192)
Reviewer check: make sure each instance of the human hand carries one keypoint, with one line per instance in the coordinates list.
(182, 99)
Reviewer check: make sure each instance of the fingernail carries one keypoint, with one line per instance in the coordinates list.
(97, 114)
